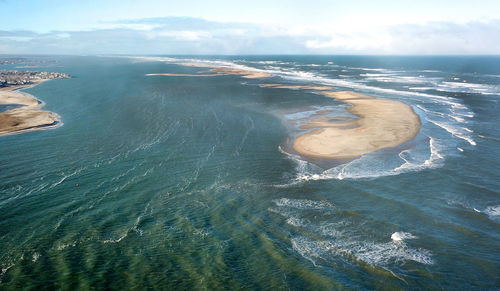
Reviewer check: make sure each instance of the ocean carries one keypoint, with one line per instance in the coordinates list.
(175, 182)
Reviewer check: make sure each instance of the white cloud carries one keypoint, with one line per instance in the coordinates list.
(16, 38)
(174, 35)
(132, 26)
(357, 42)
(186, 35)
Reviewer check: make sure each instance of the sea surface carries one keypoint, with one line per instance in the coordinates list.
(189, 182)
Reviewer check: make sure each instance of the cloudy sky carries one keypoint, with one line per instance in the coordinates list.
(249, 27)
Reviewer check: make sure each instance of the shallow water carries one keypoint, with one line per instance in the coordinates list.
(181, 182)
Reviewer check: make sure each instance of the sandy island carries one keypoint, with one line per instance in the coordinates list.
(26, 117)
(381, 124)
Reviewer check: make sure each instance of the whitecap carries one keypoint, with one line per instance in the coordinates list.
(401, 236)
(493, 212)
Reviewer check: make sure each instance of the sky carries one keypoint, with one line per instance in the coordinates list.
(250, 27)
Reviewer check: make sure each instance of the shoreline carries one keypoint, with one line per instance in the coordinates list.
(28, 116)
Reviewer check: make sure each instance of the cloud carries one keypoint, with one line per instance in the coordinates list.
(184, 35)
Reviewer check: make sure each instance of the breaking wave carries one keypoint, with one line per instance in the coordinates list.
(340, 239)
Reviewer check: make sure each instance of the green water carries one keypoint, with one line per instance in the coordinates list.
(185, 183)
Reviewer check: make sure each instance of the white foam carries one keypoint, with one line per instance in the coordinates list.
(460, 132)
(201, 232)
(265, 62)
(463, 87)
(422, 156)
(35, 257)
(460, 87)
(400, 236)
(302, 204)
(295, 221)
(372, 69)
(342, 239)
(493, 212)
(452, 116)
(379, 254)
(116, 240)
(4, 270)
(391, 78)
(62, 246)
(65, 176)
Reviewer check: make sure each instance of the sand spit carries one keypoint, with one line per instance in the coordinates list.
(220, 71)
(381, 124)
(26, 117)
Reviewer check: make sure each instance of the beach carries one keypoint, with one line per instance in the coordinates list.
(26, 117)
(380, 124)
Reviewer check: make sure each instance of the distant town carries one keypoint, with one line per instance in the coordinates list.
(16, 78)
(16, 60)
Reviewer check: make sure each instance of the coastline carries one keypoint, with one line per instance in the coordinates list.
(28, 116)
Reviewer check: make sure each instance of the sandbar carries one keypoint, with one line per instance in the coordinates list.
(380, 124)
(28, 116)
(297, 87)
(183, 75)
(219, 71)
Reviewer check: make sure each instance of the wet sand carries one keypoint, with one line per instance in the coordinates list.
(381, 124)
(27, 117)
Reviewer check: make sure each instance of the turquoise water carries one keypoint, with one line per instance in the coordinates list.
(189, 183)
